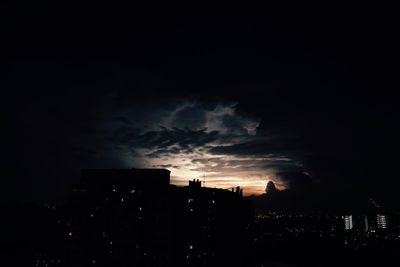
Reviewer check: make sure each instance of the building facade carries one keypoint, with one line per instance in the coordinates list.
(134, 217)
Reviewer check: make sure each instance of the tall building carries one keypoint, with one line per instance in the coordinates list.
(121, 217)
(134, 217)
(348, 222)
(381, 221)
(366, 225)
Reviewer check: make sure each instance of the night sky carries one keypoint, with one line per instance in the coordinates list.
(300, 94)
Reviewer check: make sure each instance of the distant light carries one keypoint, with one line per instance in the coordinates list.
(114, 190)
(140, 208)
(70, 233)
(132, 191)
(91, 215)
(94, 261)
(111, 242)
(382, 222)
(348, 222)
(190, 247)
(122, 200)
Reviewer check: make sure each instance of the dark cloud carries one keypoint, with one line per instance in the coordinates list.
(298, 181)
(259, 146)
(190, 132)
(270, 97)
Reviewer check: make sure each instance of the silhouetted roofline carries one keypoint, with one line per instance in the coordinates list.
(142, 177)
(127, 170)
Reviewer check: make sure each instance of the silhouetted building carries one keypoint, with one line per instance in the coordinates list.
(121, 217)
(134, 217)
(209, 225)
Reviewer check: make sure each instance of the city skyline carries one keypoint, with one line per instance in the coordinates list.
(154, 134)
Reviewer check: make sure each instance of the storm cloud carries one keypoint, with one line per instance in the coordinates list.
(214, 140)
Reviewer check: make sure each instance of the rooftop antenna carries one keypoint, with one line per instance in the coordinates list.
(204, 180)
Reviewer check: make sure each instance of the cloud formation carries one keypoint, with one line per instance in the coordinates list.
(211, 140)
